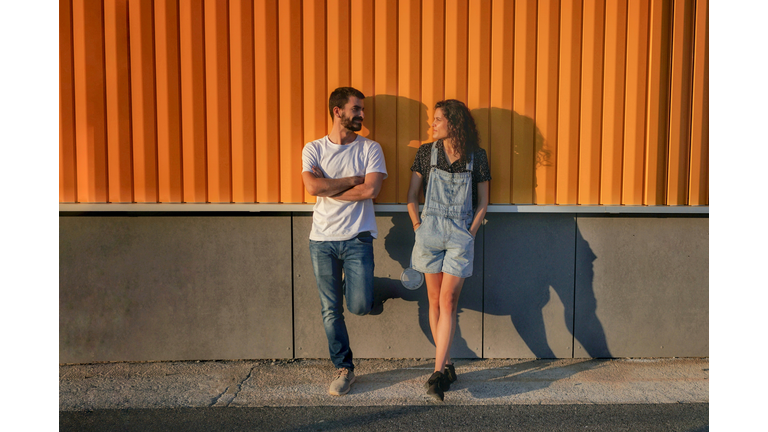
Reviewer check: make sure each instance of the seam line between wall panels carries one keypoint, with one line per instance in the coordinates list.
(482, 300)
(575, 259)
(293, 294)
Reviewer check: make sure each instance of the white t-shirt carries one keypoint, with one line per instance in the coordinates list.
(333, 219)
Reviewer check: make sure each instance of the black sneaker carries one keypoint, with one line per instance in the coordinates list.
(435, 385)
(378, 306)
(450, 376)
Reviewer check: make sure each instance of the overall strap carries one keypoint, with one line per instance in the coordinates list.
(434, 154)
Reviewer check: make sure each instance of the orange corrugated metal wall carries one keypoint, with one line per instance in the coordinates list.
(588, 102)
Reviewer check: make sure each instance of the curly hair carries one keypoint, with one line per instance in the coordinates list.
(461, 127)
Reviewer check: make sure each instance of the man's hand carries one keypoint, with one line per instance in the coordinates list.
(317, 172)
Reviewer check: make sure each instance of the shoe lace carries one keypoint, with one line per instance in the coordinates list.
(341, 372)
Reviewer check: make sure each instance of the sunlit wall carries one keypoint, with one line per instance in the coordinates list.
(210, 101)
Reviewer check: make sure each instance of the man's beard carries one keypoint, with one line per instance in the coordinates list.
(354, 124)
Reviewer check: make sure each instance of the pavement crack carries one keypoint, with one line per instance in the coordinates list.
(218, 398)
(231, 392)
(240, 384)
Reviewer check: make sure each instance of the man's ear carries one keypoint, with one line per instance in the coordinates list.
(336, 112)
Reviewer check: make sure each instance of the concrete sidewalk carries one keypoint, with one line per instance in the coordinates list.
(380, 382)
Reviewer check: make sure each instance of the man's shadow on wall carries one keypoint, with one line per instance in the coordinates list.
(525, 257)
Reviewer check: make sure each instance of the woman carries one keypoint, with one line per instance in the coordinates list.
(453, 172)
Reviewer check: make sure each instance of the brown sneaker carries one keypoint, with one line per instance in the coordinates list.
(341, 382)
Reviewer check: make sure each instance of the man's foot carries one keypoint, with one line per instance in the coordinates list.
(378, 306)
(450, 375)
(342, 381)
(435, 385)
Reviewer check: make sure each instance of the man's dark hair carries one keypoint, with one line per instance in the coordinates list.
(341, 96)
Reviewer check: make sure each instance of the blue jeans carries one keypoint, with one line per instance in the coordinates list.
(355, 257)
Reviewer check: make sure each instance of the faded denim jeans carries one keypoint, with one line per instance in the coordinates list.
(355, 258)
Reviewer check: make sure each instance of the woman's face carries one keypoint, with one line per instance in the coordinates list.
(439, 125)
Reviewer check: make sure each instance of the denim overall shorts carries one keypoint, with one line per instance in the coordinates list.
(443, 241)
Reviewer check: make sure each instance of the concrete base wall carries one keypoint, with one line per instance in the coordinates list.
(646, 293)
(135, 288)
(174, 288)
(529, 286)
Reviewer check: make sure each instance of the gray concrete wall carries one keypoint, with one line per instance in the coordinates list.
(647, 290)
(138, 288)
(529, 285)
(174, 288)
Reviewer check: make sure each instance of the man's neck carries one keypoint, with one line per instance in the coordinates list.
(341, 135)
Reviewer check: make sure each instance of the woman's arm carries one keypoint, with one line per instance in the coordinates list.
(482, 207)
(414, 190)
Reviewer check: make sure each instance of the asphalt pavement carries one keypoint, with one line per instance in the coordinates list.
(490, 394)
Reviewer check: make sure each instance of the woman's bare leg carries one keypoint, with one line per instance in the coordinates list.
(450, 341)
(433, 280)
(450, 290)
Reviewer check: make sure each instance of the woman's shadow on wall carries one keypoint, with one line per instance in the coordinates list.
(524, 254)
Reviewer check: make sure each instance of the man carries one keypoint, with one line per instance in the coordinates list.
(344, 171)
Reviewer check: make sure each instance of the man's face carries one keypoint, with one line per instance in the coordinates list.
(353, 113)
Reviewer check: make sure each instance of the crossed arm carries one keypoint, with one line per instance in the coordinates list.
(355, 188)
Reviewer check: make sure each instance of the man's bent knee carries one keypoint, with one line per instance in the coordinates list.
(360, 310)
